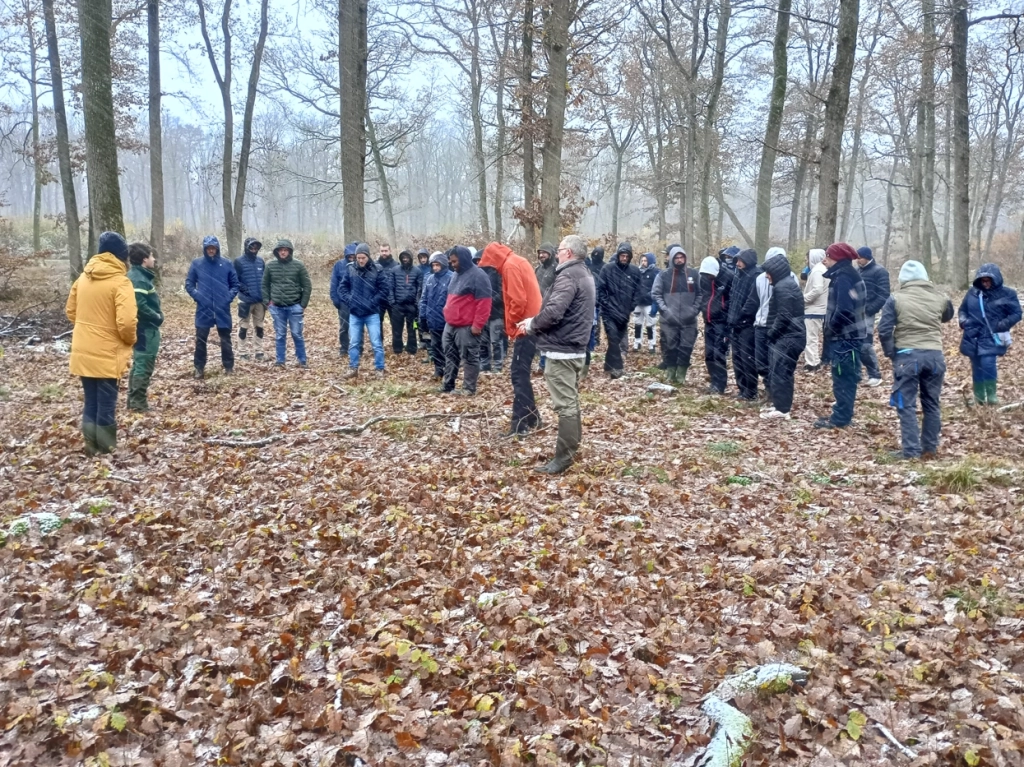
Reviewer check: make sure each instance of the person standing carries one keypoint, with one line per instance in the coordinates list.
(714, 291)
(986, 315)
(910, 331)
(151, 317)
(596, 264)
(815, 305)
(563, 328)
(743, 305)
(337, 272)
(762, 348)
(786, 333)
(522, 299)
(212, 282)
(618, 291)
(645, 311)
(103, 309)
(546, 263)
(432, 301)
(405, 282)
(465, 314)
(423, 258)
(845, 329)
(251, 310)
(362, 290)
(385, 263)
(286, 285)
(676, 293)
(876, 281)
(492, 340)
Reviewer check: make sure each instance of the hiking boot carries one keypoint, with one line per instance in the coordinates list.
(381, 374)
(615, 374)
(197, 374)
(825, 423)
(351, 373)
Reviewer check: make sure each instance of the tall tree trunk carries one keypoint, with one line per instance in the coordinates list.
(352, 57)
(835, 119)
(499, 144)
(617, 188)
(527, 123)
(556, 43)
(710, 139)
(37, 165)
(766, 173)
(382, 180)
(927, 106)
(156, 148)
(479, 160)
(799, 179)
(67, 178)
(961, 137)
(98, 100)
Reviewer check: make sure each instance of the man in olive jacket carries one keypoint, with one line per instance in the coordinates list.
(287, 287)
(151, 317)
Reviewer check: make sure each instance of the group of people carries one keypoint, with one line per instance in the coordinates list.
(469, 307)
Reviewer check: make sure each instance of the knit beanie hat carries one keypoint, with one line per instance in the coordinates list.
(710, 266)
(865, 253)
(913, 270)
(840, 251)
(112, 242)
(363, 248)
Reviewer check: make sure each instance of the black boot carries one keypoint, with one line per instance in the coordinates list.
(569, 432)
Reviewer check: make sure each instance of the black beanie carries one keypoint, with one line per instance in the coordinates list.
(112, 242)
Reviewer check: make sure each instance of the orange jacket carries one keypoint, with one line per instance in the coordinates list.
(519, 287)
(103, 309)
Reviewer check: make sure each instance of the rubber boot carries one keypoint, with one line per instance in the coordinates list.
(569, 434)
(980, 393)
(990, 393)
(586, 371)
(106, 438)
(670, 375)
(89, 435)
(681, 375)
(137, 400)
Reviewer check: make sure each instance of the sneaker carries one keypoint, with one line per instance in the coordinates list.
(614, 374)
(229, 371)
(713, 390)
(774, 414)
(380, 374)
(825, 423)
(197, 373)
(259, 355)
(351, 373)
(244, 355)
(636, 346)
(812, 368)
(279, 364)
(304, 365)
(464, 393)
(873, 382)
(442, 390)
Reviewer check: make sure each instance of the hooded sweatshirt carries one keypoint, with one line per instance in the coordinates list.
(743, 300)
(435, 293)
(545, 270)
(596, 262)
(764, 289)
(816, 289)
(212, 282)
(913, 317)
(469, 294)
(677, 291)
(520, 290)
(405, 283)
(786, 305)
(1001, 312)
(249, 268)
(714, 289)
(618, 289)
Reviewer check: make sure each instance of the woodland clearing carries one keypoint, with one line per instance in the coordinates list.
(412, 594)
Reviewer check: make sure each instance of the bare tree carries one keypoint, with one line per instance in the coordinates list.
(352, 55)
(773, 127)
(156, 152)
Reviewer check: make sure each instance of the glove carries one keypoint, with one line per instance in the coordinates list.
(654, 310)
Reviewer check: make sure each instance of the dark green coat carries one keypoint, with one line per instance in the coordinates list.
(286, 282)
(150, 315)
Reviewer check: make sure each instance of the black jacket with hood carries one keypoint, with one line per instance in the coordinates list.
(405, 283)
(786, 306)
(743, 298)
(677, 293)
(618, 290)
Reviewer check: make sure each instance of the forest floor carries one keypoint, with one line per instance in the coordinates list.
(413, 594)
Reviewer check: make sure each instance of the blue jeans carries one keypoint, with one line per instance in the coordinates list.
(984, 368)
(288, 318)
(914, 371)
(845, 377)
(355, 344)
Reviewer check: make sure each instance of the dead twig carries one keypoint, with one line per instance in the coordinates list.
(907, 752)
(1011, 406)
(352, 429)
(120, 478)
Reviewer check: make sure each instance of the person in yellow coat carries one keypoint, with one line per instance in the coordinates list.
(103, 310)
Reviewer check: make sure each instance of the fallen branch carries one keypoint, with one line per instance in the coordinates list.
(353, 429)
(1008, 408)
(907, 752)
(65, 334)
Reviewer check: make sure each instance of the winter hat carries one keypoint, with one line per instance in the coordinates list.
(476, 254)
(912, 270)
(548, 248)
(363, 248)
(865, 253)
(673, 251)
(815, 256)
(284, 244)
(624, 247)
(113, 243)
(776, 251)
(710, 266)
(840, 251)
(597, 255)
(748, 257)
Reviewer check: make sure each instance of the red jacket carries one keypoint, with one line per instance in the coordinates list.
(469, 294)
(519, 285)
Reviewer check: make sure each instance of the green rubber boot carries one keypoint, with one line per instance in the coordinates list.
(990, 393)
(89, 435)
(681, 372)
(106, 438)
(980, 394)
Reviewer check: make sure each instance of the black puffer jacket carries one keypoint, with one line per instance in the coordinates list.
(497, 298)
(876, 280)
(618, 290)
(786, 306)
(743, 300)
(405, 283)
(714, 297)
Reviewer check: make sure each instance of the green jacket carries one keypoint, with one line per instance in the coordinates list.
(150, 314)
(286, 282)
(913, 317)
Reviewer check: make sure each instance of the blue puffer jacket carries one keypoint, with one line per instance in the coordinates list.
(1002, 312)
(213, 285)
(249, 268)
(363, 289)
(435, 294)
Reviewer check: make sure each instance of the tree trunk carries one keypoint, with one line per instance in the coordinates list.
(479, 160)
(499, 144)
(37, 166)
(382, 180)
(961, 137)
(617, 188)
(529, 167)
(763, 215)
(156, 149)
(67, 178)
(710, 140)
(556, 43)
(799, 179)
(98, 100)
(835, 118)
(927, 105)
(352, 92)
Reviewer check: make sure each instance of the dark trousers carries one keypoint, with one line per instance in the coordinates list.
(227, 356)
(716, 348)
(143, 363)
(343, 331)
(100, 401)
(492, 345)
(436, 351)
(525, 415)
(403, 318)
(762, 356)
(918, 371)
(677, 342)
(984, 368)
(845, 377)
(744, 364)
(783, 356)
(461, 349)
(616, 332)
(867, 351)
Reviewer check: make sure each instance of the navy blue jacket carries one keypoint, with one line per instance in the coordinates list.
(845, 324)
(363, 289)
(213, 285)
(340, 267)
(249, 268)
(743, 299)
(647, 278)
(876, 280)
(1002, 312)
(405, 282)
(435, 295)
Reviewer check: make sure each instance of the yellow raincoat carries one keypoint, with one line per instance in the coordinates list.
(103, 309)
